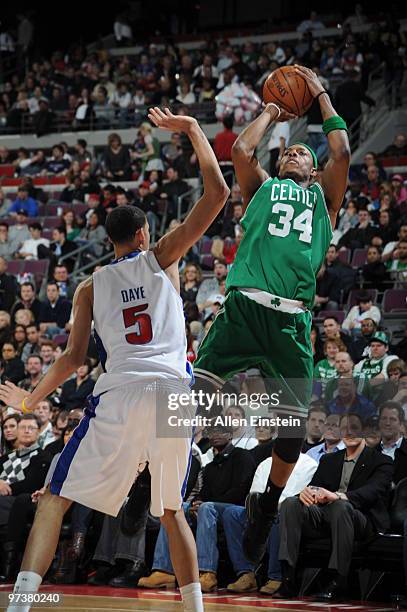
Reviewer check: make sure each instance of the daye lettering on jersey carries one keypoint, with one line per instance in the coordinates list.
(282, 191)
(132, 294)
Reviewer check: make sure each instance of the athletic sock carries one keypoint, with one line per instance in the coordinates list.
(268, 501)
(27, 582)
(192, 597)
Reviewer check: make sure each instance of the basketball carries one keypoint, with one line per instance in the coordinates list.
(288, 90)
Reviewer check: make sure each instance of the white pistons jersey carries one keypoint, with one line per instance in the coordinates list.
(139, 323)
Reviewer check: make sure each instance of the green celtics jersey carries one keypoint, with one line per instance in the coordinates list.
(324, 370)
(287, 232)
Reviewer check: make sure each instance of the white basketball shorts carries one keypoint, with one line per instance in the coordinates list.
(114, 439)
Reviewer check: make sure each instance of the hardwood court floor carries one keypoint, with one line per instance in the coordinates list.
(101, 599)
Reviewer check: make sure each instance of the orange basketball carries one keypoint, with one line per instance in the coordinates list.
(288, 90)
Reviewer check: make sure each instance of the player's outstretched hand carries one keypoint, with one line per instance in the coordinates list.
(314, 84)
(12, 395)
(166, 120)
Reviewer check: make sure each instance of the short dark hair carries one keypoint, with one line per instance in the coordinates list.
(28, 284)
(316, 407)
(61, 229)
(390, 405)
(123, 222)
(52, 282)
(352, 414)
(36, 226)
(35, 356)
(3, 224)
(82, 143)
(31, 417)
(228, 121)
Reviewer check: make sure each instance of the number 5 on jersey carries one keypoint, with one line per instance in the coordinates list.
(141, 321)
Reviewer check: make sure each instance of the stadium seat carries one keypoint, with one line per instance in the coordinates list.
(344, 256)
(37, 267)
(60, 339)
(51, 222)
(207, 262)
(354, 293)
(359, 258)
(7, 170)
(15, 266)
(206, 246)
(395, 300)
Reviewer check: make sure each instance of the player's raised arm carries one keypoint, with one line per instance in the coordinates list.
(334, 178)
(71, 359)
(249, 173)
(173, 246)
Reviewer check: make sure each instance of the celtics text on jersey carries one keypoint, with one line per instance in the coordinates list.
(287, 231)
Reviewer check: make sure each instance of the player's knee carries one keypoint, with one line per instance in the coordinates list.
(288, 449)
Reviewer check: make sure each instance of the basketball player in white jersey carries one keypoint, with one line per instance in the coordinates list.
(139, 322)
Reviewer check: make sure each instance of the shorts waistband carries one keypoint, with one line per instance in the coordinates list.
(274, 302)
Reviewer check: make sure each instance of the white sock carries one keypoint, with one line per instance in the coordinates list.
(26, 582)
(192, 597)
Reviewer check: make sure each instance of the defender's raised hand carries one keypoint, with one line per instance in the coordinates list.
(166, 120)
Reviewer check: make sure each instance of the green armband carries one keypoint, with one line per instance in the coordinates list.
(334, 123)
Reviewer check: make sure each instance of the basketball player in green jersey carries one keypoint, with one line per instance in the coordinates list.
(266, 318)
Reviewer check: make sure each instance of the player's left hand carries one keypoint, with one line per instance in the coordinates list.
(166, 120)
(314, 84)
(12, 395)
(324, 496)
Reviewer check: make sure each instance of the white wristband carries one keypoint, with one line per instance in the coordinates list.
(277, 107)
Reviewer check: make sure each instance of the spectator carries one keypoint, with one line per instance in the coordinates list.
(326, 290)
(332, 439)
(24, 317)
(12, 368)
(22, 470)
(28, 300)
(172, 189)
(150, 155)
(325, 369)
(7, 248)
(58, 164)
(373, 183)
(374, 272)
(386, 229)
(5, 328)
(95, 234)
(32, 345)
(364, 310)
(102, 109)
(316, 344)
(25, 203)
(43, 413)
(314, 426)
(66, 285)
(393, 444)
(172, 150)
(349, 504)
(19, 233)
(74, 191)
(398, 148)
(47, 354)
(71, 225)
(61, 247)
(375, 366)
(313, 23)
(343, 274)
(190, 282)
(82, 155)
(8, 287)
(348, 401)
(222, 146)
(55, 311)
(332, 331)
(9, 433)
(76, 390)
(241, 434)
(147, 202)
(360, 236)
(33, 366)
(31, 248)
(398, 266)
(229, 225)
(235, 518)
(20, 338)
(279, 139)
(265, 437)
(210, 286)
(116, 160)
(390, 250)
(5, 204)
(360, 343)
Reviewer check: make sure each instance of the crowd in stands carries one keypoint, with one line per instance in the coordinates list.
(80, 89)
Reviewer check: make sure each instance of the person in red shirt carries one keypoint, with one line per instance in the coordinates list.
(223, 148)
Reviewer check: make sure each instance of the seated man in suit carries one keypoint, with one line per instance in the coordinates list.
(346, 500)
